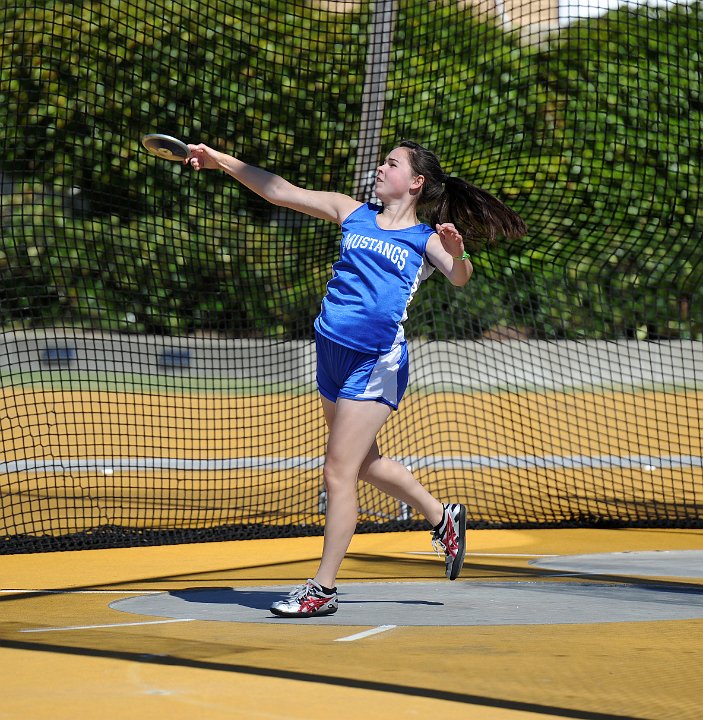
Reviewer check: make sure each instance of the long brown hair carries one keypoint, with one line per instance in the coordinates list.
(477, 214)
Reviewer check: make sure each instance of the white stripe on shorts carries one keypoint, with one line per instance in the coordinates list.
(383, 381)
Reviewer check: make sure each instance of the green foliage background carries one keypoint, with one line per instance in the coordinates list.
(595, 138)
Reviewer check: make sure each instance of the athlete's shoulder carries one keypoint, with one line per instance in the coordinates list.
(363, 211)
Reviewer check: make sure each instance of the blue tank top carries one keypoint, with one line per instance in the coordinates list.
(373, 282)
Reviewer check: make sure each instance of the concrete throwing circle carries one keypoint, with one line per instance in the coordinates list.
(659, 563)
(437, 604)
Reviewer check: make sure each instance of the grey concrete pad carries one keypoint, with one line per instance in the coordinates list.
(659, 564)
(438, 604)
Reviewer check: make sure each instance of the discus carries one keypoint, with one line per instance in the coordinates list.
(166, 147)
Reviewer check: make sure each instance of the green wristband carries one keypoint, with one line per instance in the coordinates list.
(465, 256)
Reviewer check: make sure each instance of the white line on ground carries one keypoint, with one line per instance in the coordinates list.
(473, 554)
(82, 592)
(509, 555)
(366, 633)
(112, 625)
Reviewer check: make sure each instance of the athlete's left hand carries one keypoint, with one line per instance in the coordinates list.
(452, 240)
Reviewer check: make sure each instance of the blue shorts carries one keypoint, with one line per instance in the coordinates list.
(346, 373)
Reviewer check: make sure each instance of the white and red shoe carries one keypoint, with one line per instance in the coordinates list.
(306, 600)
(451, 538)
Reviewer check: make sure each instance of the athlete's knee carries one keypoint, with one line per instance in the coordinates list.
(389, 475)
(371, 469)
(336, 476)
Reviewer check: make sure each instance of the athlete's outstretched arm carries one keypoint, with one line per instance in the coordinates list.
(273, 188)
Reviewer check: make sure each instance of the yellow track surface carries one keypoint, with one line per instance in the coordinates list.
(65, 654)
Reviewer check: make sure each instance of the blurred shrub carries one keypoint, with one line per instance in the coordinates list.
(594, 139)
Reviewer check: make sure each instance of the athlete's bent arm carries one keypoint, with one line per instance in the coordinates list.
(445, 249)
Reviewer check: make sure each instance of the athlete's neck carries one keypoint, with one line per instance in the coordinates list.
(397, 217)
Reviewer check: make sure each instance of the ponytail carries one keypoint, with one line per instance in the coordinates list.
(477, 214)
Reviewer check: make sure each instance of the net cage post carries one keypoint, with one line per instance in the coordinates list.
(381, 30)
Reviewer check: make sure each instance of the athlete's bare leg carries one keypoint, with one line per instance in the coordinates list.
(352, 452)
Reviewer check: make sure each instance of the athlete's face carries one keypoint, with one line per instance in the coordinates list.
(395, 178)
